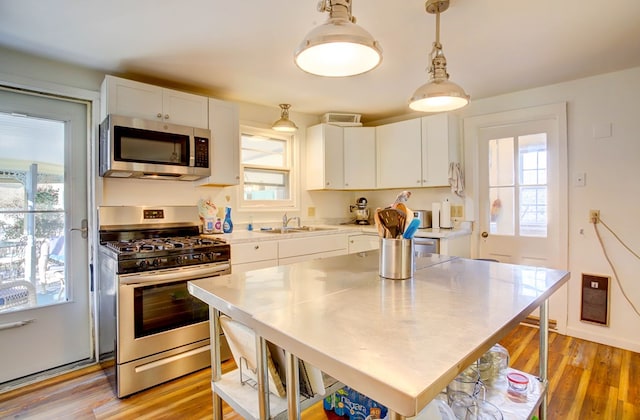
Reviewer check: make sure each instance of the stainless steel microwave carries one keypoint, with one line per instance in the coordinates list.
(137, 148)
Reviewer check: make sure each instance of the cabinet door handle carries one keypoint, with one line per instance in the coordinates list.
(256, 247)
(166, 116)
(159, 115)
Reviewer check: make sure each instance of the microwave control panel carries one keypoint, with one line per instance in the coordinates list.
(202, 152)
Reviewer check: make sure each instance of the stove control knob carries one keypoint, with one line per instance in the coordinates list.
(210, 256)
(142, 264)
(156, 262)
(180, 259)
(197, 256)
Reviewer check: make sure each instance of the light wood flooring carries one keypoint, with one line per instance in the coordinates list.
(587, 381)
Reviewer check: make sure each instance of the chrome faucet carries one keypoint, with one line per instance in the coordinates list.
(285, 221)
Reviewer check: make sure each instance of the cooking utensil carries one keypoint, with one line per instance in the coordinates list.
(378, 222)
(411, 229)
(391, 219)
(408, 214)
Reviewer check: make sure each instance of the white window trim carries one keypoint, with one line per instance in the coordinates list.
(294, 174)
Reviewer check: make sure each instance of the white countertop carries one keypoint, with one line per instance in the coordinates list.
(242, 236)
(399, 342)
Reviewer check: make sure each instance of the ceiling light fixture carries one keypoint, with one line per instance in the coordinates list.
(338, 47)
(284, 123)
(439, 93)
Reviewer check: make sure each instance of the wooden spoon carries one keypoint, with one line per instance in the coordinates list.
(378, 222)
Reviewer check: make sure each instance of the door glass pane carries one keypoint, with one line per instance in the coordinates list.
(501, 186)
(31, 211)
(502, 214)
(501, 164)
(532, 152)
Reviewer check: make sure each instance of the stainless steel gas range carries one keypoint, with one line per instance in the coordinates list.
(151, 329)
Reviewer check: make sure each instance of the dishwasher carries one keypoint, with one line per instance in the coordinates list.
(426, 246)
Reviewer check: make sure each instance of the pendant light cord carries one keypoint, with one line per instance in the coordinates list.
(606, 256)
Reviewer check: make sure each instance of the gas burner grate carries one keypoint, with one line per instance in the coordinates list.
(162, 244)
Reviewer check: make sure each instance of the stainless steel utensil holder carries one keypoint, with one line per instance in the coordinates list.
(396, 258)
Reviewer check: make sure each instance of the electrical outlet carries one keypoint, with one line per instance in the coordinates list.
(311, 211)
(594, 216)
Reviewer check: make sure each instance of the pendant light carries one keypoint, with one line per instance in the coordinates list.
(439, 93)
(284, 124)
(339, 47)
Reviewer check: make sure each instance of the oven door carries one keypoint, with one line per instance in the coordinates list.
(157, 313)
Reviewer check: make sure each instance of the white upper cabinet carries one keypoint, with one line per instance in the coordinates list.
(141, 100)
(439, 147)
(398, 154)
(325, 157)
(359, 158)
(417, 152)
(224, 150)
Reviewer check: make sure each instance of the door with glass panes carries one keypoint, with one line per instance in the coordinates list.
(44, 276)
(521, 161)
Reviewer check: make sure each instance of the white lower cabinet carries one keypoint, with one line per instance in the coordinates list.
(253, 255)
(303, 249)
(363, 242)
(262, 254)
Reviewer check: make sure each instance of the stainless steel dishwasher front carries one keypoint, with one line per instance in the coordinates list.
(426, 246)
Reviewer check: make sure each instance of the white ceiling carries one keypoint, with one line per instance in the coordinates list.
(243, 50)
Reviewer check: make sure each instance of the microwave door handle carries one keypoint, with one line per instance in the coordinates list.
(174, 274)
(192, 150)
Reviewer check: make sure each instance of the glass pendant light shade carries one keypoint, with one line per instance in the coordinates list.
(339, 47)
(284, 124)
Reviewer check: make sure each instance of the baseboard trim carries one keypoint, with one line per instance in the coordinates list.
(535, 321)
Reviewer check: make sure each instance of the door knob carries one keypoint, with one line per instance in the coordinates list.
(484, 234)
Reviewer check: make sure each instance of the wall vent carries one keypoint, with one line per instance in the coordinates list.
(595, 299)
(346, 120)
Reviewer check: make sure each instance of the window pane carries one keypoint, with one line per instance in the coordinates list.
(502, 220)
(262, 184)
(532, 150)
(32, 205)
(263, 151)
(533, 211)
(501, 163)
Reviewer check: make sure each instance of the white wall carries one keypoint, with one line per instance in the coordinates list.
(612, 168)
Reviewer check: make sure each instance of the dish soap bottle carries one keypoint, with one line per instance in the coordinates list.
(227, 225)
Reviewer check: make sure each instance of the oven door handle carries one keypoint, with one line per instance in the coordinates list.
(180, 273)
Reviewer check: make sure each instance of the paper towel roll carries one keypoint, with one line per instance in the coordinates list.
(445, 214)
(435, 215)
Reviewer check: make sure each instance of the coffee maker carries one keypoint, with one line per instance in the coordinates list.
(362, 212)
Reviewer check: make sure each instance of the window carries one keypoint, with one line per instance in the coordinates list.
(266, 162)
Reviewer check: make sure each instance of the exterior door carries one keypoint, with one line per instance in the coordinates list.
(521, 181)
(44, 276)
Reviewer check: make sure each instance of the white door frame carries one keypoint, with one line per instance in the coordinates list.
(472, 127)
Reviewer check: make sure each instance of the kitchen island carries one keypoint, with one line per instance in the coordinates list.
(400, 342)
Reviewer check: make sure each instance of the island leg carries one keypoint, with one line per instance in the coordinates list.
(216, 364)
(293, 386)
(544, 355)
(263, 378)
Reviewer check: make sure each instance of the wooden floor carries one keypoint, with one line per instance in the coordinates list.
(587, 381)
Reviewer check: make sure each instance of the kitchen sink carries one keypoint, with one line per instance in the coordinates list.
(298, 229)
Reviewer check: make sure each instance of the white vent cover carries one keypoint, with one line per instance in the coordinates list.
(348, 120)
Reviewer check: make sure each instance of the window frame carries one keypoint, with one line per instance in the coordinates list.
(291, 166)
